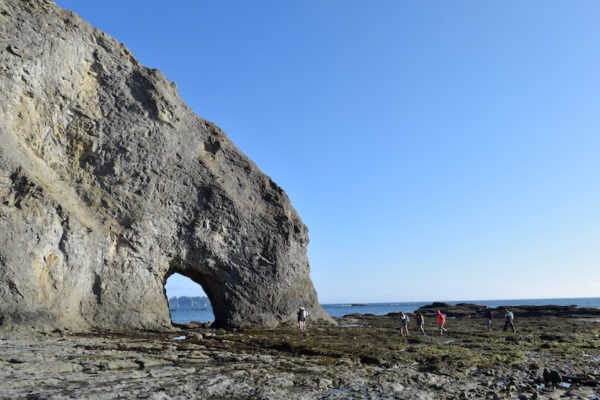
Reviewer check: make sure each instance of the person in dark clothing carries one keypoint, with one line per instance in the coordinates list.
(420, 322)
(487, 314)
(302, 315)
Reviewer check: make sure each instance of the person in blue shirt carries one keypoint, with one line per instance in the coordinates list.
(509, 318)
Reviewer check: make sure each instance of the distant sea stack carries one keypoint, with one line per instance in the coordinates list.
(188, 303)
(109, 184)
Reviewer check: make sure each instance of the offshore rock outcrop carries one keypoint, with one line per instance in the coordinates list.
(109, 184)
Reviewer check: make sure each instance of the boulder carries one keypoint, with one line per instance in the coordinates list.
(552, 377)
(109, 184)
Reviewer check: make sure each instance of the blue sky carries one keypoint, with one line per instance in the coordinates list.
(436, 150)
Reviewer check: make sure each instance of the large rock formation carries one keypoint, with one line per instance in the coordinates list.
(109, 184)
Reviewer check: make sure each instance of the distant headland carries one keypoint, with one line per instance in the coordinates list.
(187, 302)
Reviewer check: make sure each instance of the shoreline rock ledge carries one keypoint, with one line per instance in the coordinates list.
(109, 184)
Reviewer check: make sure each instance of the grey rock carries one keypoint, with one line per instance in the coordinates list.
(109, 184)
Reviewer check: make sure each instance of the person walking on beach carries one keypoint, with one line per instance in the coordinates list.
(420, 322)
(441, 320)
(302, 315)
(509, 318)
(404, 324)
(487, 314)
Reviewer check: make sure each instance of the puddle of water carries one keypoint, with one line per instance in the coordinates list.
(591, 357)
(564, 385)
(180, 338)
(338, 391)
(349, 325)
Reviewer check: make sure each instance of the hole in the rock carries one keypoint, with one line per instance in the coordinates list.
(187, 300)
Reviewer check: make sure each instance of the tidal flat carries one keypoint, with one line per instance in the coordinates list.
(364, 357)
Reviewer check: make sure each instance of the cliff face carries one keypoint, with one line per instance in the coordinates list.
(109, 184)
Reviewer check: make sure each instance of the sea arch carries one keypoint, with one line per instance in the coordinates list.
(211, 286)
(187, 301)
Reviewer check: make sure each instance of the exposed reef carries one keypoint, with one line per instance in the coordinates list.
(549, 357)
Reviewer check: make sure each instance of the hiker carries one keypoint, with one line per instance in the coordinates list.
(404, 321)
(441, 320)
(508, 320)
(302, 315)
(487, 313)
(420, 322)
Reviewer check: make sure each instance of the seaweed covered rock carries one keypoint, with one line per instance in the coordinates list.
(472, 310)
(458, 310)
(109, 184)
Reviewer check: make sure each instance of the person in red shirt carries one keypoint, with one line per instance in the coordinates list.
(441, 320)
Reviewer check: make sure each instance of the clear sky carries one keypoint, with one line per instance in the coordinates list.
(436, 150)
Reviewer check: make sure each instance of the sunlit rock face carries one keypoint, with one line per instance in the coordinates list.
(109, 184)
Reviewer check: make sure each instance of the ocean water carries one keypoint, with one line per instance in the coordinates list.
(193, 314)
(339, 310)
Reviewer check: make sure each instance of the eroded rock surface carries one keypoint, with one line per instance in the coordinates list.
(367, 360)
(109, 184)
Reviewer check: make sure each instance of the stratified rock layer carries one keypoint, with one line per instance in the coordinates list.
(109, 184)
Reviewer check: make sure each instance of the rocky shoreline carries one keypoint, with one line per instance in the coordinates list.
(363, 357)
